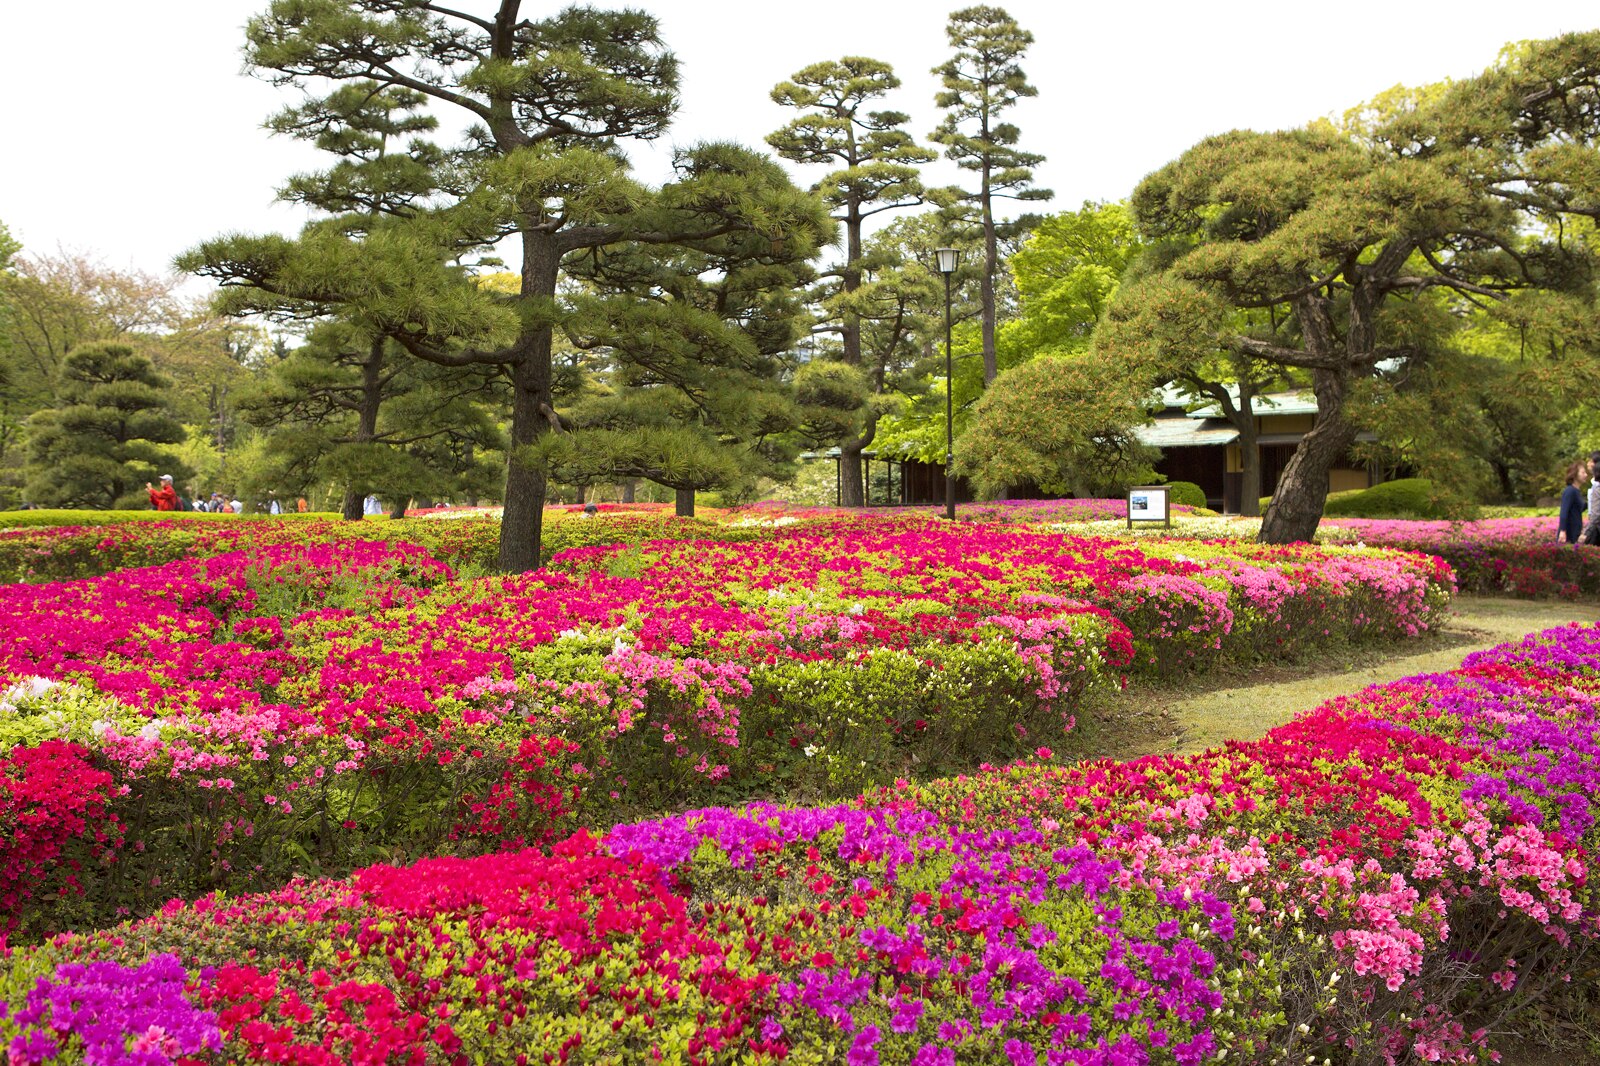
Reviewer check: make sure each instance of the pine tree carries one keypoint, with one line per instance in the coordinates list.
(876, 170)
(695, 391)
(353, 409)
(102, 441)
(1356, 258)
(981, 82)
(545, 104)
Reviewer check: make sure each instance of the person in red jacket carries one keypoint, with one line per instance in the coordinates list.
(164, 498)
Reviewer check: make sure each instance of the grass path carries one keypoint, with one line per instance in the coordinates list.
(1209, 710)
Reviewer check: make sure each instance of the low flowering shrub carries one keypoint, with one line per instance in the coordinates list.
(315, 707)
(1394, 877)
(1515, 556)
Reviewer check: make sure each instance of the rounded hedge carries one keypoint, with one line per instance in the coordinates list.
(1187, 493)
(1413, 497)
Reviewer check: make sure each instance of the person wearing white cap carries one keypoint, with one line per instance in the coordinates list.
(166, 497)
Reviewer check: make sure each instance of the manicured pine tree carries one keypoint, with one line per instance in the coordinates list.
(1355, 258)
(103, 440)
(351, 409)
(545, 103)
(695, 391)
(981, 82)
(876, 169)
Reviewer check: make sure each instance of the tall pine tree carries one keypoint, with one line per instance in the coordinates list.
(981, 82)
(876, 169)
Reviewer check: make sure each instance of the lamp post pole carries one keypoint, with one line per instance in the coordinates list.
(948, 259)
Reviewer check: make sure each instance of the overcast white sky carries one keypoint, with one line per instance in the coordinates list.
(131, 133)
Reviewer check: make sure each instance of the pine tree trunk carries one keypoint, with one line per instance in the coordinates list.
(684, 502)
(522, 521)
(352, 505)
(1250, 467)
(399, 509)
(1302, 491)
(627, 490)
(991, 264)
(852, 484)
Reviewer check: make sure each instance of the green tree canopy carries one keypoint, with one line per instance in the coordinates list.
(103, 440)
(1359, 251)
(694, 390)
(1060, 423)
(982, 81)
(353, 410)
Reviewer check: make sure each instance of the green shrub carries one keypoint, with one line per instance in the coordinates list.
(1187, 493)
(1405, 498)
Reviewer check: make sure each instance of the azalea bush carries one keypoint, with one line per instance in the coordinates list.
(1517, 556)
(1506, 556)
(313, 707)
(1397, 876)
(86, 551)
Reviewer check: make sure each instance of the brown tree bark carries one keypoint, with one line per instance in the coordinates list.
(1303, 489)
(522, 522)
(1250, 469)
(683, 501)
(852, 481)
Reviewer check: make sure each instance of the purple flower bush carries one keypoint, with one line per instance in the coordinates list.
(105, 1014)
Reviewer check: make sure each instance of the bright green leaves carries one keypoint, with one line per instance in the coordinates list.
(1062, 424)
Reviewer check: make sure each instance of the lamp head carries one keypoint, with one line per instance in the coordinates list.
(948, 259)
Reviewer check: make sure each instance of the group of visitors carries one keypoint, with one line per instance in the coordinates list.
(1573, 503)
(166, 498)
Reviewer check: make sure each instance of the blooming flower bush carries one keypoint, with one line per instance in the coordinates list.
(313, 707)
(1499, 556)
(1392, 877)
(1517, 556)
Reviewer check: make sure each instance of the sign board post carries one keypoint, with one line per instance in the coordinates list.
(1148, 504)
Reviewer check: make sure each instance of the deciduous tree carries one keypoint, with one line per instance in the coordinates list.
(1062, 423)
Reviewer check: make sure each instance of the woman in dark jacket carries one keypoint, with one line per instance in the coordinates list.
(1572, 505)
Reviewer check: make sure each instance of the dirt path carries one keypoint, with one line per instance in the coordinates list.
(1153, 718)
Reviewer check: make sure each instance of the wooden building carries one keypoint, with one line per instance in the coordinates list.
(1203, 447)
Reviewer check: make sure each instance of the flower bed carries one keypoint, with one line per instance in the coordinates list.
(1498, 556)
(311, 708)
(1392, 877)
(1516, 556)
(472, 541)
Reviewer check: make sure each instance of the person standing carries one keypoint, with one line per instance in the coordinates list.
(1591, 528)
(273, 506)
(166, 497)
(1572, 503)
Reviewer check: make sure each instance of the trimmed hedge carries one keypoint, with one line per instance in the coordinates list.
(1411, 497)
(1186, 493)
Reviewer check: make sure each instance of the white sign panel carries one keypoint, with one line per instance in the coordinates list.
(1148, 503)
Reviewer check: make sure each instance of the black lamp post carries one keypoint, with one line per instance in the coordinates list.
(948, 259)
